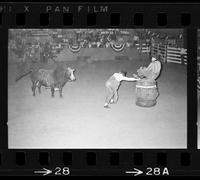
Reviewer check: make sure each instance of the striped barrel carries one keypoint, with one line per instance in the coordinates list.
(146, 93)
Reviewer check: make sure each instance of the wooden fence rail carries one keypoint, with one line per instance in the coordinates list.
(165, 53)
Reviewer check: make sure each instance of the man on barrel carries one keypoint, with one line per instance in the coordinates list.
(151, 72)
(146, 88)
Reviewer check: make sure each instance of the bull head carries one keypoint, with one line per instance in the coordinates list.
(71, 75)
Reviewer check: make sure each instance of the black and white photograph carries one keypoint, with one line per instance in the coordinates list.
(97, 89)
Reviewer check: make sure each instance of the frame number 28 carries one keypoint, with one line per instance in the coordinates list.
(62, 171)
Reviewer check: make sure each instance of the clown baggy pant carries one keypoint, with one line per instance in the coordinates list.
(112, 86)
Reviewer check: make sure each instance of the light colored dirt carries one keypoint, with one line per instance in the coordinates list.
(80, 121)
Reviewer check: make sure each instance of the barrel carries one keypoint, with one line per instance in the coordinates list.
(146, 93)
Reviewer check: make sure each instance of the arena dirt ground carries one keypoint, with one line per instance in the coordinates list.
(78, 120)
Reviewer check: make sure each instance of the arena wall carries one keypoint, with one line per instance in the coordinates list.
(99, 54)
(91, 55)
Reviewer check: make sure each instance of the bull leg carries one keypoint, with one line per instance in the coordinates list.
(33, 87)
(39, 87)
(60, 90)
(52, 91)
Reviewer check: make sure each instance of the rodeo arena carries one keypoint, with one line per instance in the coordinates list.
(97, 88)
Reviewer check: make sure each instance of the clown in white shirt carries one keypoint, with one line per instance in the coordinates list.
(112, 87)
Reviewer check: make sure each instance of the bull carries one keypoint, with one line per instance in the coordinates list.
(54, 79)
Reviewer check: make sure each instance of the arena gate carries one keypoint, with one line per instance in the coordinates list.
(165, 53)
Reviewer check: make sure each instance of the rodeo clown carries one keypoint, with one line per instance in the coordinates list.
(112, 86)
(151, 72)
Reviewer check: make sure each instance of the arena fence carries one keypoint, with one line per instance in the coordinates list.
(198, 59)
(165, 53)
(176, 55)
(160, 51)
(144, 48)
(198, 64)
(198, 73)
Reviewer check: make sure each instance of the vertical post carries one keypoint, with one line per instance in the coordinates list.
(192, 89)
(140, 45)
(158, 49)
(4, 91)
(39, 53)
(153, 49)
(166, 53)
(182, 56)
(159, 52)
(150, 50)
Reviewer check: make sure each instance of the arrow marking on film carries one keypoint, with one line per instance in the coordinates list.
(135, 171)
(44, 172)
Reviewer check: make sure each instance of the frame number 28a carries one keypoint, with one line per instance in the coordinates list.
(157, 171)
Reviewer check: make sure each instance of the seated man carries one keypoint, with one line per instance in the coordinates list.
(151, 72)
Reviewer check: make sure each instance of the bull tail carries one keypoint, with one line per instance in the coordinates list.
(22, 75)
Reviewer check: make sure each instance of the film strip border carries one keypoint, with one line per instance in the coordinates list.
(98, 15)
(45, 19)
(99, 162)
(104, 162)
